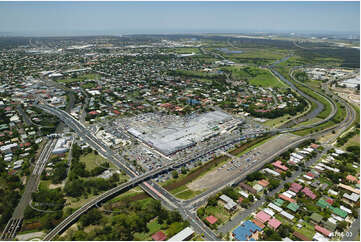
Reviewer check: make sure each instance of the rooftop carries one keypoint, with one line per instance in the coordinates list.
(211, 219)
(244, 231)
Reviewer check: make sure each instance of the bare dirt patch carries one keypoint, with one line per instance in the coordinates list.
(258, 154)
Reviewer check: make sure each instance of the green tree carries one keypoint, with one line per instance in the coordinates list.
(175, 174)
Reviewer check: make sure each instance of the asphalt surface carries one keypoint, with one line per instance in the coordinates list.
(314, 112)
(354, 230)
(32, 183)
(102, 148)
(155, 190)
(14, 224)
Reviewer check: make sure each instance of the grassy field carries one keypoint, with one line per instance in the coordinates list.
(273, 123)
(183, 192)
(255, 146)
(79, 201)
(255, 76)
(80, 78)
(44, 184)
(258, 56)
(92, 160)
(266, 80)
(315, 129)
(339, 116)
(219, 212)
(322, 115)
(133, 194)
(308, 122)
(354, 141)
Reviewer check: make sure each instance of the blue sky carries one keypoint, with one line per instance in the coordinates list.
(71, 18)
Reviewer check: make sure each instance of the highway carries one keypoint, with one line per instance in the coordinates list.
(153, 189)
(14, 224)
(98, 145)
(183, 207)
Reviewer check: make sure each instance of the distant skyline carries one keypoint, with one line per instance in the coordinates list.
(116, 18)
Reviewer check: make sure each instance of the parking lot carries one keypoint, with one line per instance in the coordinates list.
(149, 158)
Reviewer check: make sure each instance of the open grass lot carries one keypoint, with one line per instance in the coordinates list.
(255, 146)
(79, 201)
(339, 116)
(308, 122)
(258, 56)
(183, 192)
(327, 106)
(354, 141)
(92, 160)
(276, 122)
(266, 79)
(315, 129)
(80, 78)
(44, 184)
(219, 212)
(255, 76)
(134, 194)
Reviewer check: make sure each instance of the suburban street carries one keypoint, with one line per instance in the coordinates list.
(237, 219)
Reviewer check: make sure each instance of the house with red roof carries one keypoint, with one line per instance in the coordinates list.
(115, 111)
(351, 178)
(263, 183)
(211, 219)
(323, 231)
(258, 223)
(278, 164)
(274, 223)
(310, 174)
(295, 187)
(263, 216)
(314, 146)
(309, 193)
(159, 236)
(330, 201)
(93, 113)
(283, 197)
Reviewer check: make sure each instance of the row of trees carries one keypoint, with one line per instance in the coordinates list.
(343, 140)
(132, 219)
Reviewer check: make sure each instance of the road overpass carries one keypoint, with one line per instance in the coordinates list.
(154, 189)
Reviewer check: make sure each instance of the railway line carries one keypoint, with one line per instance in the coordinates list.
(15, 222)
(191, 204)
(145, 180)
